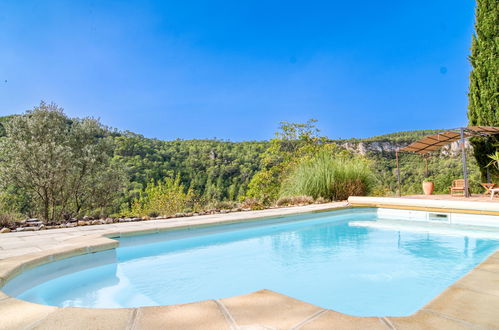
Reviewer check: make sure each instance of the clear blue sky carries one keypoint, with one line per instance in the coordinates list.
(234, 69)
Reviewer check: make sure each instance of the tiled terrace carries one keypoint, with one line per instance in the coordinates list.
(472, 198)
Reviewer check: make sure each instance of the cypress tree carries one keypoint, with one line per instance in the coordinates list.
(483, 95)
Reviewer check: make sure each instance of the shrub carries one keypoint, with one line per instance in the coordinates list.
(329, 176)
(302, 200)
(252, 203)
(153, 214)
(381, 191)
(8, 219)
(167, 197)
(264, 185)
(294, 200)
(321, 200)
(284, 201)
(223, 205)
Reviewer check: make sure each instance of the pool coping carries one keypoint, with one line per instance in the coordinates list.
(432, 205)
(470, 302)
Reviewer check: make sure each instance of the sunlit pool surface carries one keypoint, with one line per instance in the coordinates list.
(349, 261)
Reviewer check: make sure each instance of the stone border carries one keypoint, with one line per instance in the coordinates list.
(471, 302)
(35, 224)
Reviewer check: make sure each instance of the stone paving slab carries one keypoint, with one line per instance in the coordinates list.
(472, 302)
(468, 306)
(268, 309)
(203, 315)
(482, 281)
(86, 318)
(426, 320)
(18, 314)
(334, 320)
(490, 265)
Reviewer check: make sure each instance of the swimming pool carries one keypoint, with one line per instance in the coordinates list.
(352, 261)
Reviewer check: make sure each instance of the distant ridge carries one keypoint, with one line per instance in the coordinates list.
(395, 137)
(403, 136)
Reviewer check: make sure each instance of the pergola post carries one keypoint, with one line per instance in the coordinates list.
(398, 173)
(426, 166)
(465, 170)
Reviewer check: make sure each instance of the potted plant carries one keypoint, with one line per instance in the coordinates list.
(494, 159)
(428, 186)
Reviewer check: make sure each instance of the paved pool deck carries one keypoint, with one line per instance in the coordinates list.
(471, 302)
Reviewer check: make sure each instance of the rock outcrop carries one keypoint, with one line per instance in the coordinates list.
(379, 147)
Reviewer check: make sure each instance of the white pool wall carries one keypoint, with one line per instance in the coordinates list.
(440, 217)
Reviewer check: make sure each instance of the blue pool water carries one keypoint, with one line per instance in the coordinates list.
(341, 260)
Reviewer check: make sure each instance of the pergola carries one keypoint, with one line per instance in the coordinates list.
(434, 142)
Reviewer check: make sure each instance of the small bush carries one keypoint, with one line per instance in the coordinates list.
(264, 185)
(98, 215)
(165, 197)
(321, 200)
(153, 214)
(223, 205)
(284, 201)
(295, 200)
(382, 191)
(302, 200)
(252, 203)
(8, 219)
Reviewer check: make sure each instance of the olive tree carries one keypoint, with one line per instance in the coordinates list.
(64, 165)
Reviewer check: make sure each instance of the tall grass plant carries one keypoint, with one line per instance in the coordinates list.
(330, 176)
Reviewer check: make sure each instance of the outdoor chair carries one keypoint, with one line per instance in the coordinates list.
(493, 191)
(457, 185)
(488, 188)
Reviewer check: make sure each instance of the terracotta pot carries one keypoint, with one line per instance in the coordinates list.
(428, 187)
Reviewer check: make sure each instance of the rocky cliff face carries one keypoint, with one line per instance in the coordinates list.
(377, 147)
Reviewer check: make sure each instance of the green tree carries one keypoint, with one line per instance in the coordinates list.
(62, 164)
(483, 93)
(293, 141)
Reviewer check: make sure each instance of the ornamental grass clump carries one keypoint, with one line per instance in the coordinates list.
(329, 176)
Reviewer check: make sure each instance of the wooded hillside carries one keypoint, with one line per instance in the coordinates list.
(207, 172)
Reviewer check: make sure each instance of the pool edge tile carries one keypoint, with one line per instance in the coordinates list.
(334, 320)
(428, 320)
(20, 314)
(267, 308)
(462, 304)
(204, 314)
(86, 318)
(481, 281)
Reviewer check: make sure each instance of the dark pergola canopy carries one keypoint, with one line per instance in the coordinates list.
(434, 142)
